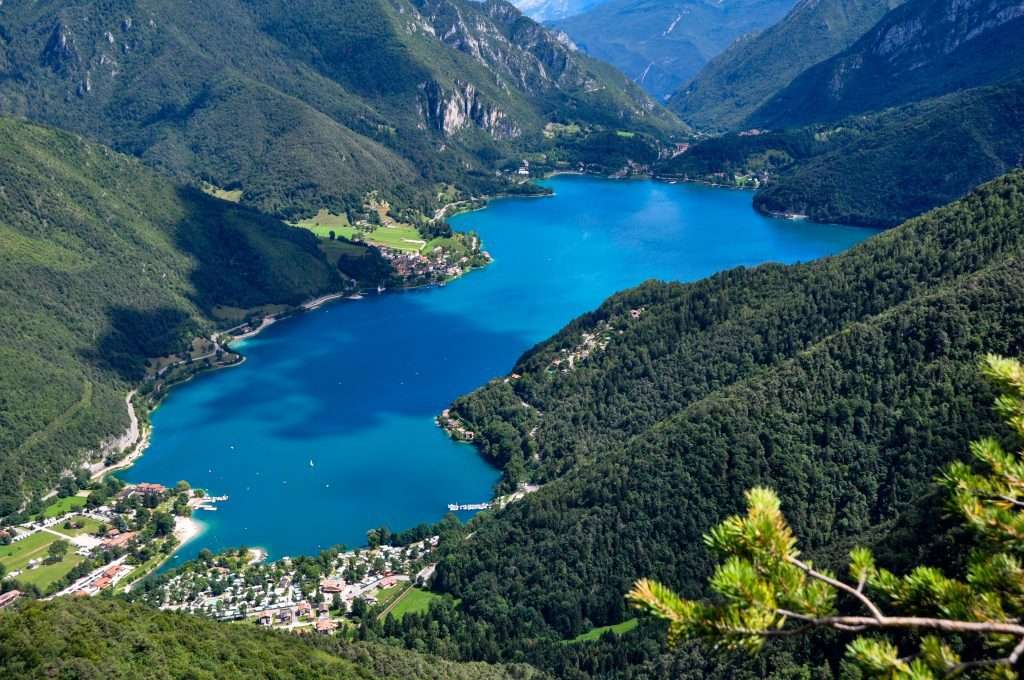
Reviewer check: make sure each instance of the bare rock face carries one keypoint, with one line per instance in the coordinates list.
(60, 53)
(449, 112)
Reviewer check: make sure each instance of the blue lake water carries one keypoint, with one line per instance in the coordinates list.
(354, 387)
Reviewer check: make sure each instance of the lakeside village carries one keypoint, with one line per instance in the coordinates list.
(109, 537)
(333, 592)
(105, 536)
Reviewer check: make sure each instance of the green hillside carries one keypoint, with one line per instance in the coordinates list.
(868, 169)
(734, 84)
(108, 638)
(845, 384)
(103, 264)
(310, 104)
(921, 49)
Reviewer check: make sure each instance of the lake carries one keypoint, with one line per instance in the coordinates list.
(327, 429)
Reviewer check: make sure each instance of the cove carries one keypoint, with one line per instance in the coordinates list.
(327, 429)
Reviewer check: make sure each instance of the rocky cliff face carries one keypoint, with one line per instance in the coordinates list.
(496, 35)
(450, 111)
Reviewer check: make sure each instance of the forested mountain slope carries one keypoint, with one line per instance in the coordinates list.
(107, 638)
(104, 263)
(746, 75)
(876, 169)
(921, 49)
(661, 45)
(309, 104)
(845, 384)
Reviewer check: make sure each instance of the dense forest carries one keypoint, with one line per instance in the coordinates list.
(845, 384)
(867, 169)
(108, 638)
(104, 264)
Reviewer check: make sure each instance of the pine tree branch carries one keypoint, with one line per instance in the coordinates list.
(839, 585)
(919, 623)
(1010, 661)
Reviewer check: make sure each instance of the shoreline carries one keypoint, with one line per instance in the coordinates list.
(187, 529)
(192, 528)
(144, 432)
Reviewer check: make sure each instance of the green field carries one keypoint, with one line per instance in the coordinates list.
(398, 237)
(324, 222)
(416, 602)
(388, 595)
(596, 633)
(63, 505)
(89, 526)
(17, 555)
(46, 575)
(234, 196)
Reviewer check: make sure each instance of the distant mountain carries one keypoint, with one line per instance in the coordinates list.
(549, 10)
(309, 103)
(882, 168)
(751, 71)
(104, 264)
(661, 44)
(922, 49)
(876, 169)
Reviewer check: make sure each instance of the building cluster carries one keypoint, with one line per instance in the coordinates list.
(589, 344)
(436, 266)
(111, 540)
(285, 593)
(455, 428)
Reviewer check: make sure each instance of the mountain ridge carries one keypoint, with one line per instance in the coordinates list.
(468, 84)
(742, 78)
(922, 49)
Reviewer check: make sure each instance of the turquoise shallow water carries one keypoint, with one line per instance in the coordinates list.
(354, 387)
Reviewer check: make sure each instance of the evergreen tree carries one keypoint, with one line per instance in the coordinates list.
(908, 626)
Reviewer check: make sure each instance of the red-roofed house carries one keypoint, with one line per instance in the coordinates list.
(8, 598)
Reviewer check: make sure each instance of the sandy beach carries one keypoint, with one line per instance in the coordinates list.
(186, 529)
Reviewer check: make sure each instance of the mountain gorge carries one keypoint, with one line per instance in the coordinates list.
(289, 103)
(662, 45)
(745, 76)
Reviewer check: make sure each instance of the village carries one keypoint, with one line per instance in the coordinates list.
(323, 594)
(436, 266)
(103, 538)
